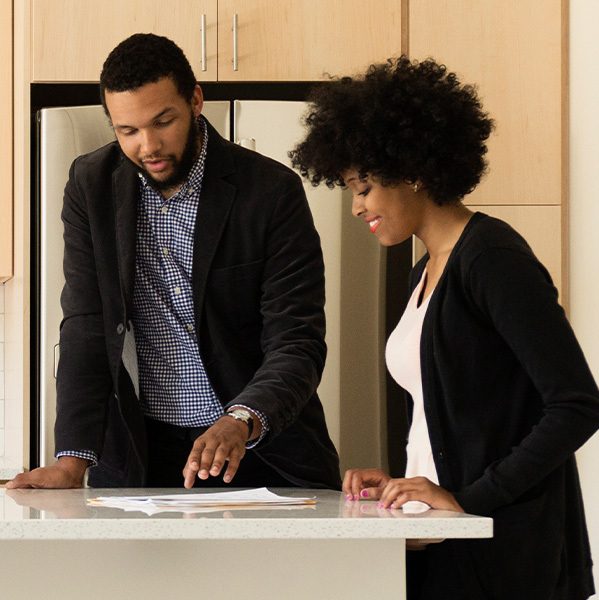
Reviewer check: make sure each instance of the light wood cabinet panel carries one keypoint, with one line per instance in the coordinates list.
(6, 129)
(301, 40)
(71, 38)
(515, 52)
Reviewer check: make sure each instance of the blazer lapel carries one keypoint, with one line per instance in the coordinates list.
(125, 190)
(216, 199)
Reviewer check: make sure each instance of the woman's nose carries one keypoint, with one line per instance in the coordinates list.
(357, 206)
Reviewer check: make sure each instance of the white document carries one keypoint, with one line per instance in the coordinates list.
(202, 502)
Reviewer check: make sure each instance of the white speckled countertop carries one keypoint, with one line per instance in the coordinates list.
(64, 515)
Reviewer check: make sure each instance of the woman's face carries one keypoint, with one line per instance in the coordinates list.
(393, 214)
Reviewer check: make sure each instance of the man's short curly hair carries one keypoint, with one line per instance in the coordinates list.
(403, 121)
(146, 58)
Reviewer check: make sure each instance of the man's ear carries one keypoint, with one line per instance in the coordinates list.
(197, 101)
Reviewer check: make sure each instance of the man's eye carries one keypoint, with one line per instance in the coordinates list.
(164, 123)
(128, 131)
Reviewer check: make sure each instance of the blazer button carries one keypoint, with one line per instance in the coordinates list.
(120, 328)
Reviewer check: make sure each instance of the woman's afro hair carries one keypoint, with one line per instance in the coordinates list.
(403, 121)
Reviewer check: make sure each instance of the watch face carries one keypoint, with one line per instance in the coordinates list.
(242, 415)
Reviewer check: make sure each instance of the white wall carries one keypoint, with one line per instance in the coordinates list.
(584, 223)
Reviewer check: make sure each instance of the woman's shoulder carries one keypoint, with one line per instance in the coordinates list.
(491, 247)
(484, 232)
(486, 236)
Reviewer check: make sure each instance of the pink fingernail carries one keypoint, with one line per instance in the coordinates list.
(364, 493)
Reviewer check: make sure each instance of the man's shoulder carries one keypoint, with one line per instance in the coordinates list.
(98, 162)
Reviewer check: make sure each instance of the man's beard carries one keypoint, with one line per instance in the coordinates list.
(183, 166)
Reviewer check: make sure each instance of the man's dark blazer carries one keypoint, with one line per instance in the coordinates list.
(258, 288)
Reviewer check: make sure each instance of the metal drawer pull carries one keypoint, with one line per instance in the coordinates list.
(235, 42)
(203, 30)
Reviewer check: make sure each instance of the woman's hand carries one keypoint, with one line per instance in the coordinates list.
(364, 483)
(399, 491)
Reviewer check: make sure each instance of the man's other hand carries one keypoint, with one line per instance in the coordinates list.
(67, 472)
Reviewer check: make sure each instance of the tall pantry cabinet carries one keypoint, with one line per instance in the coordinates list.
(516, 54)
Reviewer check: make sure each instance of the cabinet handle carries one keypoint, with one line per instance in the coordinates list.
(235, 42)
(203, 30)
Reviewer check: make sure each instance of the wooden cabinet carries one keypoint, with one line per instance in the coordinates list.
(6, 143)
(515, 53)
(303, 40)
(276, 40)
(71, 38)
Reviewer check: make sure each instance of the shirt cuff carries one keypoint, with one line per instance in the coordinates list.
(263, 422)
(85, 454)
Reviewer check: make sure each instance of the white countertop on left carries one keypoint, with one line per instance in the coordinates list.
(65, 515)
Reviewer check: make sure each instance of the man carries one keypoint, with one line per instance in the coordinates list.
(192, 339)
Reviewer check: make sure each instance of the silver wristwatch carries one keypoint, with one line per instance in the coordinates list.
(240, 414)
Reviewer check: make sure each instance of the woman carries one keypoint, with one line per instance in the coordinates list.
(500, 395)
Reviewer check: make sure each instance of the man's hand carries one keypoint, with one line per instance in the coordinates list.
(224, 441)
(67, 472)
(364, 483)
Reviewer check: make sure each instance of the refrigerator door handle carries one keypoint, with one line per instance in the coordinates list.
(56, 358)
(249, 143)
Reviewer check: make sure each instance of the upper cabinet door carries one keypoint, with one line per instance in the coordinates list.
(72, 38)
(515, 52)
(303, 40)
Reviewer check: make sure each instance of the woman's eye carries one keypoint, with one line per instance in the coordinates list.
(364, 192)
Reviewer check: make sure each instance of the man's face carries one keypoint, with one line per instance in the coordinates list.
(155, 127)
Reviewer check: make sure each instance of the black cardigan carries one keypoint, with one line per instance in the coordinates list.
(508, 398)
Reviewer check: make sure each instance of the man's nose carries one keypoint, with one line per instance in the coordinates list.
(150, 143)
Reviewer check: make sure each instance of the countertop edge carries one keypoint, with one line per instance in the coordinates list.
(246, 529)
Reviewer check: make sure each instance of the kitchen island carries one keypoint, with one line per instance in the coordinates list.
(53, 543)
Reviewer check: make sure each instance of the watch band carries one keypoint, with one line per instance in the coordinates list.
(240, 414)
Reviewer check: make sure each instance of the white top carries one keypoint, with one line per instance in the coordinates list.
(403, 362)
(64, 514)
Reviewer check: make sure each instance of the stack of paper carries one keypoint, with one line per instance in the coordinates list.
(196, 503)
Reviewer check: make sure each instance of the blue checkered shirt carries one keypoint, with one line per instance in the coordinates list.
(174, 387)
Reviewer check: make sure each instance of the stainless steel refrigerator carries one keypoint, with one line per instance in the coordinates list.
(352, 388)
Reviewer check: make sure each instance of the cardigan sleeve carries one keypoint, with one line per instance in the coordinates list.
(515, 291)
